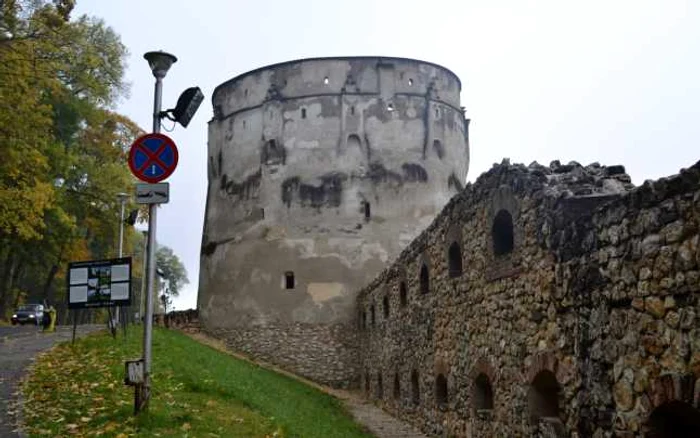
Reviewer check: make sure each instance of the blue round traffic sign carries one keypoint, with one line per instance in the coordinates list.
(153, 157)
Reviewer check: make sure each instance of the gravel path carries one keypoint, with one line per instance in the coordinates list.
(18, 347)
(375, 419)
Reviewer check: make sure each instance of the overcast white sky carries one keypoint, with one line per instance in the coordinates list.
(611, 81)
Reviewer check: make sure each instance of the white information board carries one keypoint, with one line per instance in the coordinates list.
(99, 283)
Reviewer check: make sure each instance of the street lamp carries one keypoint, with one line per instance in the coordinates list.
(122, 199)
(160, 62)
(188, 103)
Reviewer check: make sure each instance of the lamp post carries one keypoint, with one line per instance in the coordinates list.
(160, 62)
(122, 199)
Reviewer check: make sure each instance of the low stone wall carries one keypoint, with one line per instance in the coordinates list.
(180, 319)
(326, 354)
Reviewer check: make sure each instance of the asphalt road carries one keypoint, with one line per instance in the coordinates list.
(18, 346)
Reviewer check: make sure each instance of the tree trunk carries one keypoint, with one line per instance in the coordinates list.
(8, 274)
(48, 286)
(19, 272)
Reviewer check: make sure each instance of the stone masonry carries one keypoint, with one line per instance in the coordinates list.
(340, 243)
(554, 301)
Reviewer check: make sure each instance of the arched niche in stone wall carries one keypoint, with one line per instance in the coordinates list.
(502, 232)
(674, 419)
(415, 388)
(454, 253)
(441, 372)
(355, 149)
(482, 394)
(424, 274)
(397, 285)
(272, 153)
(441, 391)
(403, 292)
(367, 383)
(397, 386)
(543, 396)
(544, 391)
(675, 400)
(380, 386)
(438, 148)
(482, 378)
(386, 305)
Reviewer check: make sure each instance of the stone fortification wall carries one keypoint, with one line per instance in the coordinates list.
(325, 353)
(558, 301)
(320, 172)
(632, 275)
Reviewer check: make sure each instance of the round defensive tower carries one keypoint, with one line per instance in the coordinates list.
(320, 172)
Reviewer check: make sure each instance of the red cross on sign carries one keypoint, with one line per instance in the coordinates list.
(153, 157)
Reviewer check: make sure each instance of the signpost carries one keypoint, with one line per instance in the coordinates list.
(153, 157)
(152, 193)
(98, 283)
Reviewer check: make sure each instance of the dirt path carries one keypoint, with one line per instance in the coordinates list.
(18, 347)
(376, 420)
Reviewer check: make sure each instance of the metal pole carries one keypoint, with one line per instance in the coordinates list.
(142, 294)
(75, 323)
(121, 249)
(151, 266)
(121, 227)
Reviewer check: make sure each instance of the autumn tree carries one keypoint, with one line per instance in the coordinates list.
(63, 146)
(173, 271)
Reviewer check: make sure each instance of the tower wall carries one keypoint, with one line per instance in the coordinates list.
(320, 172)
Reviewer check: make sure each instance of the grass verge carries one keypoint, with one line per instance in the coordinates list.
(78, 390)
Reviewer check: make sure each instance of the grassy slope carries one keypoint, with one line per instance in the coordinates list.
(197, 391)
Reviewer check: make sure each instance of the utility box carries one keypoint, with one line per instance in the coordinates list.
(134, 372)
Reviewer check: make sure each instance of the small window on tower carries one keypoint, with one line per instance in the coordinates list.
(352, 110)
(410, 82)
(325, 80)
(289, 282)
(367, 211)
(303, 113)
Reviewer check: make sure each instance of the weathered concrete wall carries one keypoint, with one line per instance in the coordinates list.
(582, 328)
(324, 169)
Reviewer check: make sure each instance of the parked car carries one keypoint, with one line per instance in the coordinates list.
(28, 314)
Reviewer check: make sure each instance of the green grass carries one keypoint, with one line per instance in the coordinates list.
(78, 390)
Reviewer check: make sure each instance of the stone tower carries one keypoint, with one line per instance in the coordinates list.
(320, 172)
